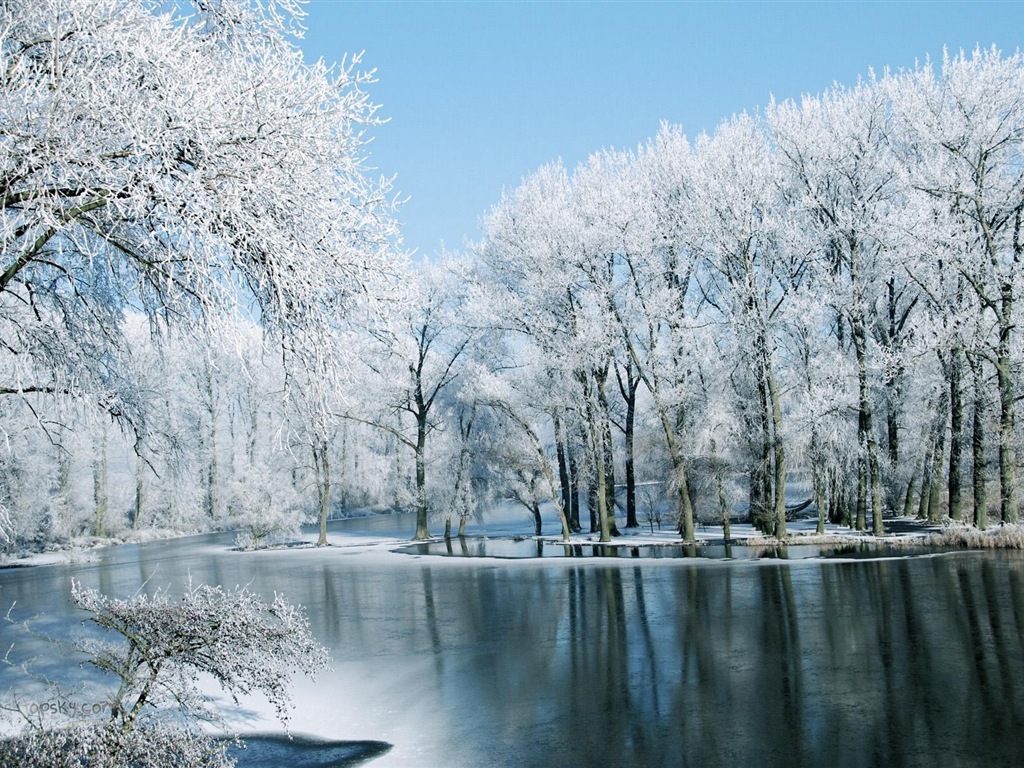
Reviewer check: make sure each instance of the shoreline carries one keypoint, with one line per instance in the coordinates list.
(945, 535)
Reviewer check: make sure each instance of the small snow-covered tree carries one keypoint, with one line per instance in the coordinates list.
(159, 647)
(412, 364)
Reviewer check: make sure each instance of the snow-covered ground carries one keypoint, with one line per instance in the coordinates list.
(82, 550)
(904, 531)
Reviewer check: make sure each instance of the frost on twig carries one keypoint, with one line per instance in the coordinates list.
(245, 644)
(159, 646)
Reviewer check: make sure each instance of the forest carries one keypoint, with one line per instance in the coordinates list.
(208, 319)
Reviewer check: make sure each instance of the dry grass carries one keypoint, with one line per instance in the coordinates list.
(966, 537)
(810, 539)
(952, 536)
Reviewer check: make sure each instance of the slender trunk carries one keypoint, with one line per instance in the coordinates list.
(978, 445)
(926, 480)
(99, 485)
(563, 467)
(1004, 376)
(574, 490)
(723, 506)
(894, 383)
(601, 489)
(908, 498)
(63, 490)
(862, 494)
(866, 427)
(211, 474)
(628, 389)
(841, 503)
(421, 476)
(877, 524)
(322, 465)
(684, 504)
(760, 481)
(607, 454)
(397, 450)
(549, 477)
(631, 521)
(935, 483)
(778, 451)
(955, 436)
(817, 481)
(212, 500)
(892, 432)
(140, 490)
(595, 525)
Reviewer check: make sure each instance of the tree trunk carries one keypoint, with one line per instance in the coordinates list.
(421, 476)
(322, 465)
(99, 485)
(1004, 375)
(761, 479)
(978, 445)
(212, 500)
(926, 480)
(631, 521)
(955, 435)
(140, 490)
(563, 469)
(908, 498)
(893, 433)
(684, 505)
(724, 514)
(778, 451)
(862, 494)
(629, 389)
(817, 481)
(607, 454)
(63, 489)
(574, 490)
(935, 482)
(866, 427)
(601, 490)
(211, 476)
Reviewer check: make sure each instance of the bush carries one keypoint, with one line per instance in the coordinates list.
(152, 745)
(159, 648)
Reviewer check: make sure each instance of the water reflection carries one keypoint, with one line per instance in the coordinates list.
(524, 547)
(625, 662)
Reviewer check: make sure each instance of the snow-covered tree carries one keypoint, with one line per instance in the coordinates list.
(174, 163)
(157, 647)
(961, 137)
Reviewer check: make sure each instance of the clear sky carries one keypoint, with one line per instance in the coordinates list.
(479, 94)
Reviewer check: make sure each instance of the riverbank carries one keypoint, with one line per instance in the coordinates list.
(905, 532)
(83, 549)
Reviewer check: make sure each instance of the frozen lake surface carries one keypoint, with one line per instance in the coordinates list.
(595, 661)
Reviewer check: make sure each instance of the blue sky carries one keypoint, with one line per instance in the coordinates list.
(479, 94)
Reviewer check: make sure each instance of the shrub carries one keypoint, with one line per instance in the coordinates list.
(160, 645)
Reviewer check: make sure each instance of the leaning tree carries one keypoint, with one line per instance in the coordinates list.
(176, 162)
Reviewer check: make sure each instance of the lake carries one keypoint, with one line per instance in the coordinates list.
(593, 661)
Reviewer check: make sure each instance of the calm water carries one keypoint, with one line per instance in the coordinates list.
(647, 662)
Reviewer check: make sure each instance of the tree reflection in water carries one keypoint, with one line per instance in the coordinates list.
(855, 664)
(582, 662)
